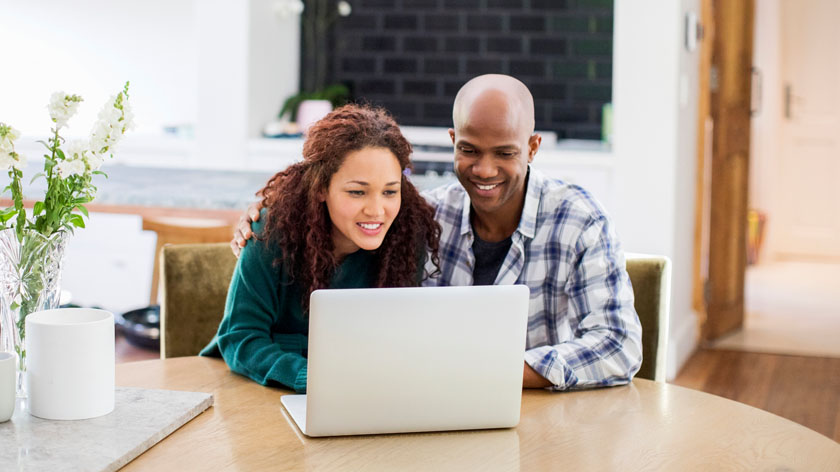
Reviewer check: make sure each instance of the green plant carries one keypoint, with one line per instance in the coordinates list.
(317, 22)
(68, 169)
(337, 94)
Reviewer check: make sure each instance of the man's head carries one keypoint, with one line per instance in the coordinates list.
(494, 141)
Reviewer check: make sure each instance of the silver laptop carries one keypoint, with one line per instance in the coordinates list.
(400, 360)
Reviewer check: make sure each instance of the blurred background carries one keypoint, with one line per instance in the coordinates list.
(707, 128)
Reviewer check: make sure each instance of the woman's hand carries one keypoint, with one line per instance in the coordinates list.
(242, 233)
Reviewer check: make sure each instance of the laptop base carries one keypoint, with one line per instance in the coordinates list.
(296, 406)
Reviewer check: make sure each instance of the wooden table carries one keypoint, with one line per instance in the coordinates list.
(643, 426)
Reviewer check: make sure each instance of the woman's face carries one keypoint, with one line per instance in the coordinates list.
(363, 198)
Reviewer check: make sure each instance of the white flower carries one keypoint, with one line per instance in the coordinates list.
(67, 168)
(344, 8)
(6, 160)
(128, 117)
(75, 149)
(62, 107)
(109, 113)
(20, 163)
(101, 139)
(115, 119)
(94, 161)
(8, 135)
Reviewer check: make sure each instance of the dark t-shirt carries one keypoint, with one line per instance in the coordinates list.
(488, 259)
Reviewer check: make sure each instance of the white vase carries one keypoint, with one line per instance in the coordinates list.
(70, 365)
(311, 111)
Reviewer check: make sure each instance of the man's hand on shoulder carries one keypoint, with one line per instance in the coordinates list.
(531, 379)
(242, 232)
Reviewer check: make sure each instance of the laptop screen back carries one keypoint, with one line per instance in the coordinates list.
(415, 359)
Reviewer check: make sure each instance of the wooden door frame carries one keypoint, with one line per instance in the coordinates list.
(720, 295)
(703, 171)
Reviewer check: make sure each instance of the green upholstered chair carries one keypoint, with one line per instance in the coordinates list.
(195, 280)
(651, 278)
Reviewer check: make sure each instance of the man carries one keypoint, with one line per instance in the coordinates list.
(506, 223)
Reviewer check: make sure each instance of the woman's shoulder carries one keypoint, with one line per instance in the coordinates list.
(261, 245)
(258, 227)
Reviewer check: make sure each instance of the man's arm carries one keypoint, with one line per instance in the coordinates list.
(531, 379)
(606, 345)
(242, 233)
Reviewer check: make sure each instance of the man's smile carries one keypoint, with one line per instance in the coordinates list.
(486, 189)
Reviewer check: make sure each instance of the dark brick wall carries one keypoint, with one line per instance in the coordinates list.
(412, 56)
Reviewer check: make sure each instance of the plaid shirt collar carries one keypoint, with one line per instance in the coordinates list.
(528, 220)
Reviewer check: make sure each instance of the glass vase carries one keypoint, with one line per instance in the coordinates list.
(30, 274)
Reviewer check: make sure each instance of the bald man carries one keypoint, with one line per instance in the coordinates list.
(506, 223)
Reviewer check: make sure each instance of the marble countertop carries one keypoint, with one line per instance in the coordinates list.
(141, 418)
(185, 188)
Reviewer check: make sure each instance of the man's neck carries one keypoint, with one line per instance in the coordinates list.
(497, 225)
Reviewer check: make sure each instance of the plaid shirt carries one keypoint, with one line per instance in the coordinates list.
(582, 328)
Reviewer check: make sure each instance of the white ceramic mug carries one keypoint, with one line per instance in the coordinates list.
(7, 385)
(70, 363)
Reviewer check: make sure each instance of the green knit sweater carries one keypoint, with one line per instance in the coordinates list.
(263, 334)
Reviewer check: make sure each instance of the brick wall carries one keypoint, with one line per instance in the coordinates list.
(412, 56)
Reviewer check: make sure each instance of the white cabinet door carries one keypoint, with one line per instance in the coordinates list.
(108, 264)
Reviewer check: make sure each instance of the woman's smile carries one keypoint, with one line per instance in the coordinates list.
(371, 229)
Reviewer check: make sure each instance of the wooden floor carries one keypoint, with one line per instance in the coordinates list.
(805, 390)
(126, 352)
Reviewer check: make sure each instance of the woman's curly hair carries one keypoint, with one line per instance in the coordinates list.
(299, 223)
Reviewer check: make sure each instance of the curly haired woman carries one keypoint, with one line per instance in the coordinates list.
(344, 217)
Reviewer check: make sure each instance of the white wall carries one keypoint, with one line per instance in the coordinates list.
(248, 63)
(655, 120)
(273, 61)
(220, 67)
(221, 82)
(91, 47)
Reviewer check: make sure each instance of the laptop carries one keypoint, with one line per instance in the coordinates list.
(402, 360)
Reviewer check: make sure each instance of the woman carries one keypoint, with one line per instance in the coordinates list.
(344, 217)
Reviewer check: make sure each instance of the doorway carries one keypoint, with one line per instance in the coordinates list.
(792, 291)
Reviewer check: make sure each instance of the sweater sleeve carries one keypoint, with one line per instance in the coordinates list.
(245, 339)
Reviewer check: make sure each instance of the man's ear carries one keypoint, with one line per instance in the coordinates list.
(452, 134)
(533, 146)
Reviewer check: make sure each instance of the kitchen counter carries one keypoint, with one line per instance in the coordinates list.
(177, 188)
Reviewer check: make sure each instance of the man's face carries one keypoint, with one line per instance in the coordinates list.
(492, 152)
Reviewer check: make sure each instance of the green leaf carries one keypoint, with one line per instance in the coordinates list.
(99, 172)
(39, 174)
(291, 105)
(76, 220)
(38, 208)
(83, 210)
(60, 153)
